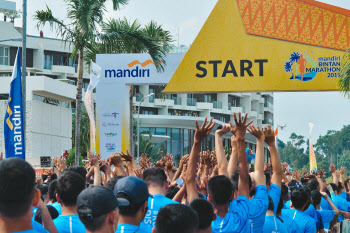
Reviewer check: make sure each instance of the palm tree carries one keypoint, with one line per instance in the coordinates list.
(129, 44)
(294, 58)
(288, 68)
(85, 17)
(344, 74)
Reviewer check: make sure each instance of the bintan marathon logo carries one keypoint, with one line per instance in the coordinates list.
(135, 73)
(111, 134)
(304, 68)
(110, 147)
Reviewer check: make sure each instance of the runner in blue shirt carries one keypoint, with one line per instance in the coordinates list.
(272, 223)
(294, 218)
(136, 192)
(69, 186)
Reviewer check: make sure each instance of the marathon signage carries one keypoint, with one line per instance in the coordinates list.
(252, 46)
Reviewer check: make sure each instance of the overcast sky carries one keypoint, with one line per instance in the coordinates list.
(327, 110)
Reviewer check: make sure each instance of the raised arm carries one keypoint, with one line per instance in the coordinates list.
(240, 130)
(219, 149)
(117, 162)
(336, 211)
(334, 173)
(94, 161)
(232, 164)
(275, 158)
(259, 175)
(201, 133)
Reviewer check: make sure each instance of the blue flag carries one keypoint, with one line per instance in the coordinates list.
(13, 125)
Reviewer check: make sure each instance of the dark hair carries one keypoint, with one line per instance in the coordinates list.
(91, 224)
(220, 188)
(299, 198)
(313, 184)
(205, 212)
(52, 190)
(130, 210)
(78, 169)
(44, 188)
(155, 175)
(271, 206)
(172, 191)
(53, 213)
(340, 186)
(293, 183)
(280, 207)
(111, 183)
(284, 192)
(315, 198)
(334, 187)
(17, 187)
(200, 195)
(52, 178)
(268, 177)
(308, 192)
(69, 186)
(235, 177)
(175, 218)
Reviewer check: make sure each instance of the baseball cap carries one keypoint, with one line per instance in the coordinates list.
(97, 201)
(135, 188)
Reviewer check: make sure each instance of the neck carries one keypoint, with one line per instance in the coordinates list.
(221, 210)
(23, 223)
(270, 213)
(302, 209)
(104, 229)
(129, 220)
(69, 210)
(153, 190)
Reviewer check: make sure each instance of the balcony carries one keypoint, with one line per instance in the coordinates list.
(217, 104)
(268, 121)
(163, 102)
(139, 97)
(268, 105)
(177, 100)
(63, 69)
(191, 102)
(204, 105)
(151, 99)
(48, 65)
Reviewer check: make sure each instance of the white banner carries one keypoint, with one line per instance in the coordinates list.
(110, 130)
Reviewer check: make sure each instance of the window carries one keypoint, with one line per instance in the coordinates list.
(4, 56)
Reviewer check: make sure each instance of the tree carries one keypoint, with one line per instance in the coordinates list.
(71, 158)
(84, 131)
(85, 17)
(344, 74)
(13, 15)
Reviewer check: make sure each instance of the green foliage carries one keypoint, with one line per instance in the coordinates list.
(13, 15)
(84, 131)
(334, 147)
(71, 158)
(147, 147)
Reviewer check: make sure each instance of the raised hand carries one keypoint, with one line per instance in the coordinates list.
(239, 130)
(127, 157)
(203, 131)
(257, 132)
(93, 159)
(342, 170)
(304, 171)
(224, 130)
(332, 168)
(115, 160)
(297, 175)
(269, 135)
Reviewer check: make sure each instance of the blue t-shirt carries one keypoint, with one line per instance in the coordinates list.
(69, 224)
(28, 231)
(327, 217)
(275, 194)
(343, 195)
(319, 223)
(341, 204)
(38, 227)
(257, 209)
(311, 211)
(154, 204)
(298, 221)
(127, 228)
(235, 220)
(58, 207)
(272, 224)
(325, 205)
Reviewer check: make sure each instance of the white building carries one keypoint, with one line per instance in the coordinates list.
(50, 95)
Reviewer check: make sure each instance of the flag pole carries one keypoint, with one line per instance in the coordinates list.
(24, 64)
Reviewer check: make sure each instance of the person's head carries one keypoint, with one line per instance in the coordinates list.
(155, 177)
(284, 192)
(234, 180)
(17, 189)
(52, 191)
(340, 187)
(308, 192)
(53, 213)
(293, 185)
(268, 179)
(172, 191)
(313, 184)
(78, 169)
(316, 199)
(299, 199)
(220, 191)
(135, 191)
(44, 190)
(98, 209)
(335, 188)
(205, 212)
(175, 218)
(69, 186)
(111, 183)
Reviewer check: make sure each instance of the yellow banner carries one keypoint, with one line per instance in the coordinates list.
(250, 45)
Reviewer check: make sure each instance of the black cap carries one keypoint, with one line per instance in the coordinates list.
(97, 201)
(135, 188)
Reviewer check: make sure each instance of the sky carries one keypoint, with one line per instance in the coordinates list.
(184, 19)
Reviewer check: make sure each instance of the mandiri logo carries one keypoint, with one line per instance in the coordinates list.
(135, 73)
